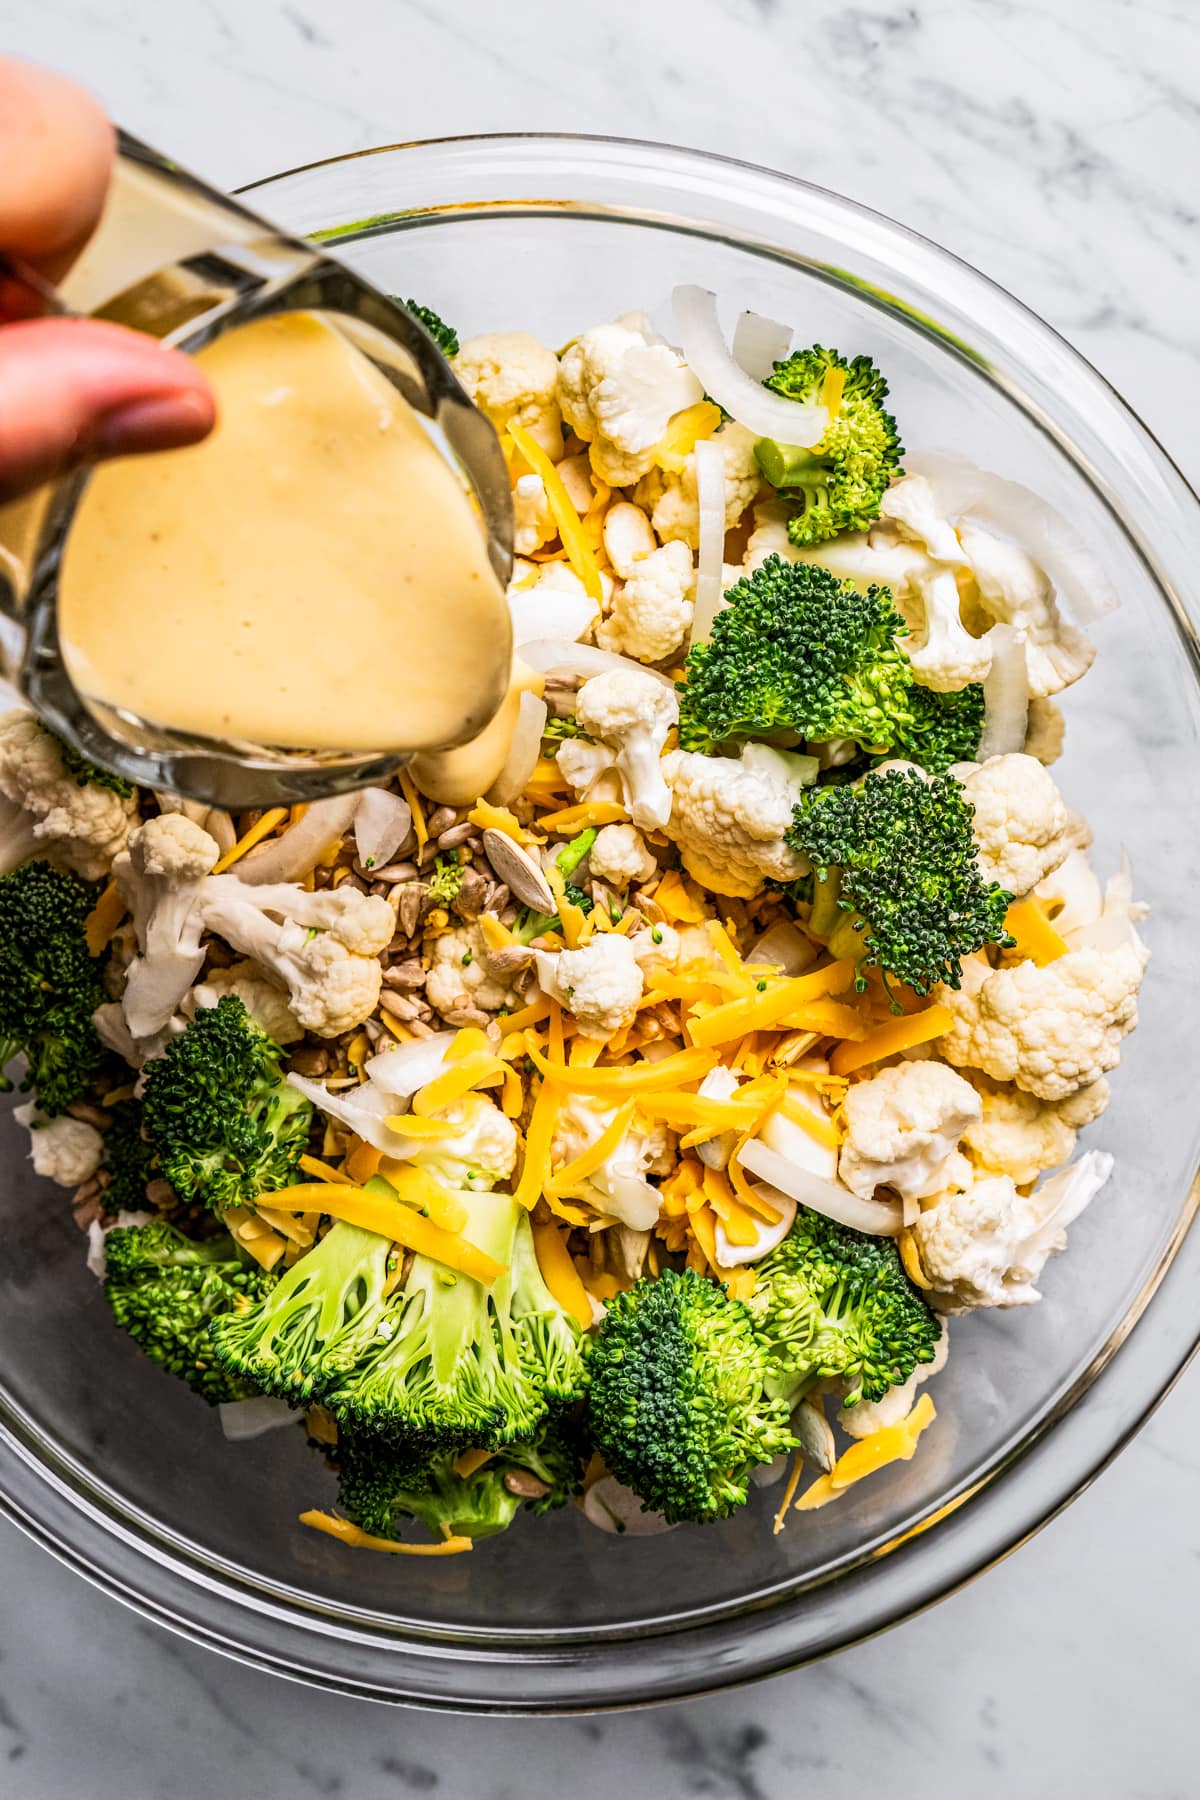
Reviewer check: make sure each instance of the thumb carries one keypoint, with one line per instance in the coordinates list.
(79, 390)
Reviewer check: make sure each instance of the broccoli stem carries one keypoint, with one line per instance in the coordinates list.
(826, 914)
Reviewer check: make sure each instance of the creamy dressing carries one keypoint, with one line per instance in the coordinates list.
(312, 576)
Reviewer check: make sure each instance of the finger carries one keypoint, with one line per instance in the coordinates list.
(76, 390)
(56, 152)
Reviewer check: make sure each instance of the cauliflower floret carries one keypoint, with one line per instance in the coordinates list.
(868, 1416)
(589, 768)
(728, 817)
(619, 1186)
(657, 949)
(618, 392)
(1021, 1136)
(266, 1003)
(770, 536)
(903, 1128)
(672, 500)
(554, 603)
(510, 375)
(1022, 828)
(1045, 730)
(1013, 590)
(482, 1151)
(910, 507)
(944, 655)
(652, 613)
(66, 1150)
(50, 812)
(161, 874)
(632, 713)
(460, 979)
(533, 522)
(1052, 1030)
(600, 984)
(619, 856)
(1071, 894)
(987, 1245)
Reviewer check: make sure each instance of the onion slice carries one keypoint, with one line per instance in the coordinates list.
(400, 1072)
(879, 1218)
(767, 1236)
(744, 399)
(539, 612)
(244, 1419)
(382, 821)
(1005, 695)
(557, 656)
(294, 853)
(759, 343)
(1060, 1199)
(783, 946)
(1079, 578)
(363, 1109)
(710, 498)
(523, 751)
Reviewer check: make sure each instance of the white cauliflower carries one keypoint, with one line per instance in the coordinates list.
(1021, 1136)
(48, 811)
(591, 769)
(599, 984)
(944, 655)
(618, 392)
(769, 536)
(910, 507)
(987, 1244)
(1022, 828)
(460, 978)
(66, 1150)
(620, 857)
(510, 375)
(652, 612)
(266, 1003)
(729, 815)
(868, 1416)
(533, 522)
(554, 603)
(903, 1128)
(1052, 1030)
(324, 947)
(671, 497)
(160, 875)
(619, 1186)
(1013, 590)
(482, 1151)
(632, 713)
(657, 949)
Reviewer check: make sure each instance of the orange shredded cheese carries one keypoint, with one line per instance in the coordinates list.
(1036, 937)
(346, 1533)
(645, 1077)
(486, 817)
(559, 1272)
(362, 1162)
(683, 433)
(893, 1443)
(408, 788)
(570, 526)
(479, 1069)
(390, 1219)
(886, 1040)
(101, 923)
(536, 1170)
(470, 1461)
(679, 899)
(789, 1494)
(574, 1173)
(271, 819)
(759, 1012)
(578, 818)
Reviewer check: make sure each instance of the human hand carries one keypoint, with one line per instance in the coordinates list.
(72, 390)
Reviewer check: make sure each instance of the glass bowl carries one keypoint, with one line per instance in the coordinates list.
(115, 1468)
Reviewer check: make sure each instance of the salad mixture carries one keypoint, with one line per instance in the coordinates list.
(625, 1128)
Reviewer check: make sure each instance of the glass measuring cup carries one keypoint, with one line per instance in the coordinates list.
(183, 263)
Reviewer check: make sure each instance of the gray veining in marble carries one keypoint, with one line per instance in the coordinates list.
(1056, 145)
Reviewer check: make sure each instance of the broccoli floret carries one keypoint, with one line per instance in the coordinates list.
(164, 1289)
(679, 1401)
(50, 984)
(88, 774)
(896, 881)
(531, 923)
(796, 650)
(830, 1302)
(453, 1363)
(556, 730)
(446, 880)
(840, 483)
(443, 335)
(128, 1158)
(218, 1112)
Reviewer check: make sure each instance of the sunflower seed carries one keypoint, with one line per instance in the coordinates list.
(519, 871)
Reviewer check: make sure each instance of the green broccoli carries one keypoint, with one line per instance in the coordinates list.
(443, 335)
(88, 774)
(447, 878)
(128, 1158)
(218, 1111)
(556, 730)
(164, 1289)
(839, 483)
(531, 923)
(797, 651)
(679, 1402)
(50, 984)
(830, 1302)
(453, 1363)
(896, 882)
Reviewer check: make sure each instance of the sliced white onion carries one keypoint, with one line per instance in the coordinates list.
(744, 399)
(294, 853)
(362, 1109)
(710, 498)
(245, 1419)
(1060, 1199)
(544, 612)
(759, 343)
(1080, 579)
(783, 946)
(558, 656)
(767, 1236)
(879, 1218)
(400, 1072)
(382, 821)
(631, 1199)
(615, 1508)
(1005, 694)
(523, 751)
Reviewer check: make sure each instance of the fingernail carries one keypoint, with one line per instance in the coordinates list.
(163, 423)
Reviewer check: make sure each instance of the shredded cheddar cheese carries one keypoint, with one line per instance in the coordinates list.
(389, 1219)
(887, 1040)
(270, 821)
(101, 923)
(346, 1533)
(570, 526)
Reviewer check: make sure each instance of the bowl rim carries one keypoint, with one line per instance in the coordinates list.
(44, 1495)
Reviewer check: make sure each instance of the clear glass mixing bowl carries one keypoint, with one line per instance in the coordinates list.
(116, 1469)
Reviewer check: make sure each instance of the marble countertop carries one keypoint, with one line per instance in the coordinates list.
(1054, 145)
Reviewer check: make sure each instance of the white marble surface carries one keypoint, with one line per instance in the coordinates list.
(1055, 145)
